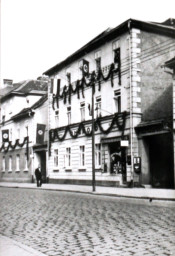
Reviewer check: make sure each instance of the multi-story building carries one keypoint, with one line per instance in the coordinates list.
(119, 75)
(23, 114)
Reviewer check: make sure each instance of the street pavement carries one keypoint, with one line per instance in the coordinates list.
(67, 223)
(142, 193)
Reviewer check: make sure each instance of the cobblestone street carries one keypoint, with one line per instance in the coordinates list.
(60, 223)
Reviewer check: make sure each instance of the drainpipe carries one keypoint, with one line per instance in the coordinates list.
(130, 92)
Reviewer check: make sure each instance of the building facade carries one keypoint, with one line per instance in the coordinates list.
(23, 111)
(113, 91)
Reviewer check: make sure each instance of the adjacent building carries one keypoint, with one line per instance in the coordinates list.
(111, 103)
(23, 127)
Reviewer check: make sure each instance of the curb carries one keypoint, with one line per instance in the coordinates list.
(149, 198)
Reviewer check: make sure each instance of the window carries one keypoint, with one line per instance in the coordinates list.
(26, 163)
(115, 45)
(98, 60)
(55, 157)
(57, 118)
(69, 115)
(98, 107)
(10, 163)
(3, 164)
(82, 156)
(117, 101)
(82, 111)
(68, 157)
(116, 52)
(10, 137)
(18, 133)
(97, 155)
(17, 162)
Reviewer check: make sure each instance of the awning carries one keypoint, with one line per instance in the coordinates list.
(155, 127)
(113, 139)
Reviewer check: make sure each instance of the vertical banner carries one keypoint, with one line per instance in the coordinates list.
(85, 67)
(54, 86)
(40, 131)
(5, 135)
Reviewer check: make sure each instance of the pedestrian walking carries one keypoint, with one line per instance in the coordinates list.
(38, 176)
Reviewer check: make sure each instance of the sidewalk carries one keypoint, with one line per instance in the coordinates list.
(139, 193)
(9, 247)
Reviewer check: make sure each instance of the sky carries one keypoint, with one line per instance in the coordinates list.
(38, 34)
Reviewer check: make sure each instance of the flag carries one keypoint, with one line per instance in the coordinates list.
(5, 135)
(117, 55)
(40, 131)
(55, 86)
(51, 87)
(85, 67)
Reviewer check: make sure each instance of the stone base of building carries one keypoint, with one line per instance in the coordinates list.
(104, 183)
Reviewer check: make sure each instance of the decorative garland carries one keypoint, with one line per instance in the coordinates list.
(119, 119)
(17, 144)
(88, 81)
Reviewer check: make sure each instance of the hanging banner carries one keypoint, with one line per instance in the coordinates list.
(55, 86)
(85, 67)
(5, 135)
(40, 131)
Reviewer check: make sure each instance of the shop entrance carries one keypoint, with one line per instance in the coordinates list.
(42, 163)
(117, 159)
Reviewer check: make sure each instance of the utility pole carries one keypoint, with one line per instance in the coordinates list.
(93, 143)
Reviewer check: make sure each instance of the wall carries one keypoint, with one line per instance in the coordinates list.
(21, 175)
(156, 85)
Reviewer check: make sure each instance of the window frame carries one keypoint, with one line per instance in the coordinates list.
(98, 155)
(82, 111)
(69, 115)
(17, 162)
(56, 158)
(10, 163)
(3, 164)
(82, 156)
(68, 158)
(98, 111)
(117, 101)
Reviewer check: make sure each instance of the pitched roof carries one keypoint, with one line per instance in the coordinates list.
(24, 88)
(29, 111)
(165, 28)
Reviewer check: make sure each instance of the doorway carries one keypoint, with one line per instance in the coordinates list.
(161, 160)
(117, 159)
(42, 163)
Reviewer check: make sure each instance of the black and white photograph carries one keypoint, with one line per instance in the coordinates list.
(87, 128)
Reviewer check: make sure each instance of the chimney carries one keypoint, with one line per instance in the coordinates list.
(169, 22)
(7, 83)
